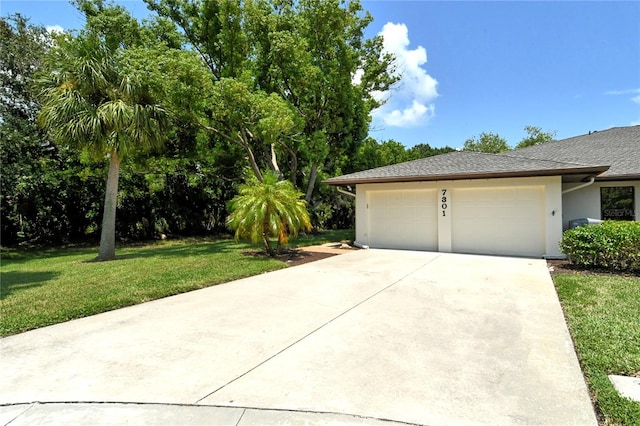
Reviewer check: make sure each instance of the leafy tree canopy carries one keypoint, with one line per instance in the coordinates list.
(304, 52)
(491, 143)
(535, 136)
(93, 100)
(423, 150)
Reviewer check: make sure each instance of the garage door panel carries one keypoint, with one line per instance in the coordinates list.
(403, 219)
(507, 221)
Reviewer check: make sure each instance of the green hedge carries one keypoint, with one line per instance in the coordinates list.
(613, 245)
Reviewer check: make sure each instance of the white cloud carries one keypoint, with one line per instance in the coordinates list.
(409, 102)
(357, 77)
(55, 29)
(622, 92)
(413, 115)
(636, 92)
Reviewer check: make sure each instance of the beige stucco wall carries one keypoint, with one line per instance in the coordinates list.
(585, 202)
(552, 208)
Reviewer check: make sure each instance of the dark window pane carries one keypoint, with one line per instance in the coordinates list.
(617, 203)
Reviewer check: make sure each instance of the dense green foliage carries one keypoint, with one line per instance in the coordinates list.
(613, 245)
(92, 101)
(372, 154)
(52, 194)
(266, 209)
(492, 143)
(602, 313)
(225, 73)
(46, 192)
(247, 86)
(280, 83)
(535, 136)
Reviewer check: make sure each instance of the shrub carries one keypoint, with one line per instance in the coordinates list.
(613, 245)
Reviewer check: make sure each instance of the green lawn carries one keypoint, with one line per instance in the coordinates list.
(44, 287)
(603, 312)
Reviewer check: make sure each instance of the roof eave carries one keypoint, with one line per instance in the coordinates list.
(629, 176)
(595, 170)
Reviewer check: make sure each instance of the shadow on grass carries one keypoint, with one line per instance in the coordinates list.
(22, 255)
(15, 281)
(177, 248)
(185, 250)
(170, 248)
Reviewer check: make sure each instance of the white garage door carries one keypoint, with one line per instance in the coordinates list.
(403, 219)
(508, 221)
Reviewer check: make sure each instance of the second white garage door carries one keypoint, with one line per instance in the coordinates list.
(403, 219)
(507, 221)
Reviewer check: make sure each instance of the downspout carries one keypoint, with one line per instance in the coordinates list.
(355, 243)
(584, 185)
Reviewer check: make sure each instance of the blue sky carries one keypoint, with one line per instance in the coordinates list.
(472, 67)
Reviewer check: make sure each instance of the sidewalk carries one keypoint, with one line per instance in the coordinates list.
(109, 414)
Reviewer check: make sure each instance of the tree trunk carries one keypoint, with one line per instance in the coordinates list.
(293, 163)
(312, 182)
(244, 142)
(107, 249)
(267, 245)
(274, 161)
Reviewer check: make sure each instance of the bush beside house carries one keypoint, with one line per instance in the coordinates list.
(613, 245)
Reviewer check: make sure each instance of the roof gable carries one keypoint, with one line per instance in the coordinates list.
(619, 147)
(609, 154)
(465, 165)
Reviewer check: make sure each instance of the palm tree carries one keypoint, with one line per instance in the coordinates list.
(267, 209)
(90, 101)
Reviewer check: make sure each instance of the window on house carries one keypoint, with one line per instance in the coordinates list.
(617, 203)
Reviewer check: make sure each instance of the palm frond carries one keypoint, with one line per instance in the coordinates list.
(268, 209)
(89, 101)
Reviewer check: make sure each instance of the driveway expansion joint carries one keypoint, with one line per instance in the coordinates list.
(22, 413)
(288, 410)
(316, 330)
(241, 416)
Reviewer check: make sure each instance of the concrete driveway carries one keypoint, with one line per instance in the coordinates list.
(372, 335)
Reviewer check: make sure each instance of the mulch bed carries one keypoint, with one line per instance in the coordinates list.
(293, 257)
(565, 267)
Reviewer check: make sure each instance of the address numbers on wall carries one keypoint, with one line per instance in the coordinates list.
(444, 204)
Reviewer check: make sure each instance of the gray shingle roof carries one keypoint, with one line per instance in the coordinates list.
(610, 154)
(619, 147)
(465, 165)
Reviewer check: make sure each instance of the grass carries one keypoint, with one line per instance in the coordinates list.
(603, 312)
(44, 287)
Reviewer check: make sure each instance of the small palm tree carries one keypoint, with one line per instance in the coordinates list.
(91, 102)
(268, 209)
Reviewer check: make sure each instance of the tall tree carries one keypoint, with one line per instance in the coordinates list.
(535, 136)
(29, 161)
(93, 100)
(214, 28)
(424, 150)
(266, 209)
(307, 53)
(491, 143)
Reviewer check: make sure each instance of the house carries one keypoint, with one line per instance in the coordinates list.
(516, 203)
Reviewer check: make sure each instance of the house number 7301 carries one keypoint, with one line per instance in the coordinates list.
(444, 206)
